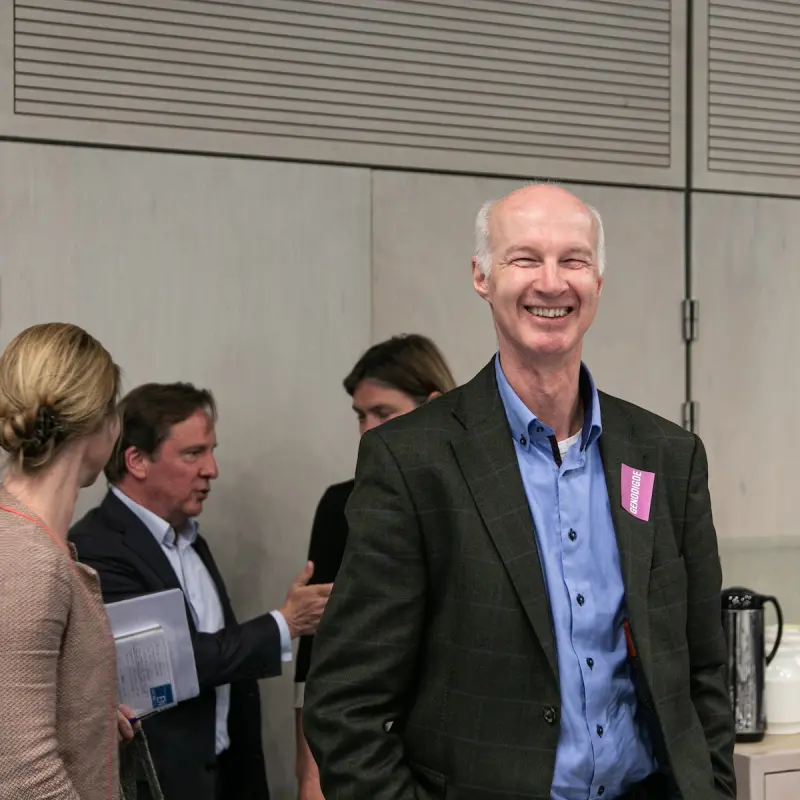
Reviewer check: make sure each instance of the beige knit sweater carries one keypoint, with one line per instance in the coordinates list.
(58, 685)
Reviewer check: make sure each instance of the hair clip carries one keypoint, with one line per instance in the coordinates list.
(47, 427)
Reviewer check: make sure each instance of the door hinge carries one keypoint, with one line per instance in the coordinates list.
(691, 319)
(691, 410)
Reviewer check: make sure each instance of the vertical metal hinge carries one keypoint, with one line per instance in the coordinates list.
(691, 410)
(691, 319)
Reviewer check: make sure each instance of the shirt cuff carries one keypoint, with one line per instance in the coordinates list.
(286, 639)
(299, 694)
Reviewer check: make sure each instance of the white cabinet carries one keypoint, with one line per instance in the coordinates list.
(782, 785)
(769, 770)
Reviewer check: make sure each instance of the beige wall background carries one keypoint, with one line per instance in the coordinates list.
(246, 195)
(249, 278)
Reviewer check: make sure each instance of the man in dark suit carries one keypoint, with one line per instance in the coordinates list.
(528, 605)
(144, 538)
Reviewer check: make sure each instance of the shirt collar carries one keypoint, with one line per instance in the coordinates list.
(525, 427)
(163, 532)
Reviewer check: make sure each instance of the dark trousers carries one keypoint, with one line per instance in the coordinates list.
(220, 776)
(222, 773)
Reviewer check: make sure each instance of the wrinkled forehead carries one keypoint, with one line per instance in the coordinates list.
(542, 226)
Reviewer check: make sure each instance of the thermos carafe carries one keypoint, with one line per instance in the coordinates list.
(743, 622)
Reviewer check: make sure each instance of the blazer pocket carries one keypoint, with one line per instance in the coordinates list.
(665, 575)
(431, 782)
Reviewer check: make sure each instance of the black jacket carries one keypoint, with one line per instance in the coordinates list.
(112, 540)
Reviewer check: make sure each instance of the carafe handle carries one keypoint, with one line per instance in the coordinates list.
(774, 601)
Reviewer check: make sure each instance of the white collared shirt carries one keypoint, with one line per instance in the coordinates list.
(201, 594)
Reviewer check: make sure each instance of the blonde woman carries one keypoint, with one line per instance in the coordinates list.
(60, 722)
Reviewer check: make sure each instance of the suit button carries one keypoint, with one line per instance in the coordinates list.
(549, 715)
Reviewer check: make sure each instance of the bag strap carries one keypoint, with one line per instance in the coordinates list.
(135, 761)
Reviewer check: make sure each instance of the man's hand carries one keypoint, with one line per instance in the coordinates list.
(127, 724)
(304, 604)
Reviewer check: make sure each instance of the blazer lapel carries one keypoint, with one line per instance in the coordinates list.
(635, 537)
(140, 540)
(488, 461)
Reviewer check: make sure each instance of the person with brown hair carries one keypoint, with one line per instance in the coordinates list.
(58, 682)
(145, 537)
(392, 378)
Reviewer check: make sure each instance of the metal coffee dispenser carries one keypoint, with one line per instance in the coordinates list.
(743, 622)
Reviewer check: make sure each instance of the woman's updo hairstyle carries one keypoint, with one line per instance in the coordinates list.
(57, 383)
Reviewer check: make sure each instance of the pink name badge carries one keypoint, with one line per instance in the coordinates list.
(637, 491)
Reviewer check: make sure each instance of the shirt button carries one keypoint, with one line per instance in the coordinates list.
(590, 662)
(600, 790)
(549, 715)
(523, 441)
(572, 535)
(580, 599)
(540, 429)
(600, 731)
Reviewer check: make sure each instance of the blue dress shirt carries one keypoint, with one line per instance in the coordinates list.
(603, 749)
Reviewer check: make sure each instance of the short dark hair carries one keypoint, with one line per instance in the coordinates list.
(410, 363)
(147, 414)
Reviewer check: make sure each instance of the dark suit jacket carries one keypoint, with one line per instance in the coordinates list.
(326, 549)
(434, 669)
(130, 562)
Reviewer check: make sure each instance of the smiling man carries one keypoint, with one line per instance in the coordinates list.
(528, 605)
(144, 538)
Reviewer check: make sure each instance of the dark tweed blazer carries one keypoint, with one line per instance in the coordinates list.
(434, 669)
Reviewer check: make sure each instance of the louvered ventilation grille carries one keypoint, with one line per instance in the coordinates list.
(587, 80)
(754, 87)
